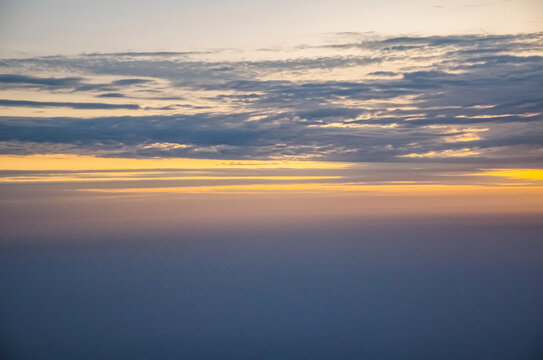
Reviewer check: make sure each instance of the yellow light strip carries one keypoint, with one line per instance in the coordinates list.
(35, 179)
(525, 174)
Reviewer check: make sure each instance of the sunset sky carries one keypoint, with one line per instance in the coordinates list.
(131, 123)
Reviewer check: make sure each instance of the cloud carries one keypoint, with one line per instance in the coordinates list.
(73, 105)
(398, 99)
(71, 83)
(111, 95)
(31, 80)
(129, 81)
(383, 73)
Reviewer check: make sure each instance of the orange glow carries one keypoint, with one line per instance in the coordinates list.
(84, 162)
(429, 189)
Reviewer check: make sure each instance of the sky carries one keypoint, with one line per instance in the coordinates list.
(257, 179)
(71, 27)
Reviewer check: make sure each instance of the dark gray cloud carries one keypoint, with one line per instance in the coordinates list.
(111, 95)
(233, 136)
(129, 81)
(68, 83)
(73, 105)
(31, 80)
(383, 73)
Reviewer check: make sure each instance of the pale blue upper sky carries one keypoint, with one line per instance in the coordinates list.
(40, 27)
